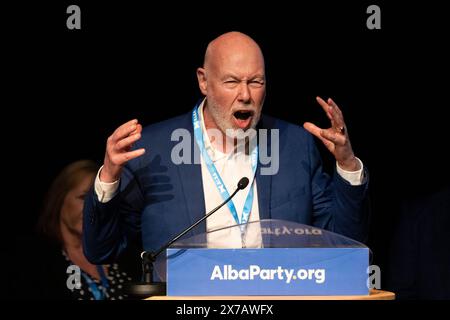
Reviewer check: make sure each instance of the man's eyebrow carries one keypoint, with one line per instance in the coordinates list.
(258, 76)
(229, 75)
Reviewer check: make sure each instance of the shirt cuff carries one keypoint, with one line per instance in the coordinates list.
(355, 178)
(105, 191)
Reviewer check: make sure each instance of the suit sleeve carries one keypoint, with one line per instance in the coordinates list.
(337, 205)
(109, 227)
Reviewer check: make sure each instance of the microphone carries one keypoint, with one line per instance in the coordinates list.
(148, 287)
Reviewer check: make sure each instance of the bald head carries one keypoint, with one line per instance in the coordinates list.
(232, 46)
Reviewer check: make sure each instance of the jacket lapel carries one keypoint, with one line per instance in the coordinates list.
(264, 182)
(192, 184)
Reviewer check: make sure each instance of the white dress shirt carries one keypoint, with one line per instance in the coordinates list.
(231, 167)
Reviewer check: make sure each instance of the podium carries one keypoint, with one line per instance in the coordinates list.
(275, 259)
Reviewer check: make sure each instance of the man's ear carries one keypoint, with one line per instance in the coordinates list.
(201, 77)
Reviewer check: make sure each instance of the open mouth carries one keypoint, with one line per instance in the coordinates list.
(243, 118)
(243, 115)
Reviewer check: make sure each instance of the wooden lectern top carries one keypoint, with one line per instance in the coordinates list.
(374, 295)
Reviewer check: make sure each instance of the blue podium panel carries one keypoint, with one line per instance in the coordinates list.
(267, 271)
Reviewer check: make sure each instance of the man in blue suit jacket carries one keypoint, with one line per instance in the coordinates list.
(150, 193)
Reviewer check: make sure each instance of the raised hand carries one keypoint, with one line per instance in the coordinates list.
(118, 151)
(335, 138)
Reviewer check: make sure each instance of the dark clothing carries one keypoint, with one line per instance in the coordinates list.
(419, 265)
(39, 271)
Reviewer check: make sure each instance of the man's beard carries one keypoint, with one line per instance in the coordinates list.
(224, 123)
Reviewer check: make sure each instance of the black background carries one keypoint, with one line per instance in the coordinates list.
(66, 90)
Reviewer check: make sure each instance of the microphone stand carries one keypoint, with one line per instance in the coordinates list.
(149, 288)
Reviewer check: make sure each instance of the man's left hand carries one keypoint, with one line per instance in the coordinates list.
(336, 138)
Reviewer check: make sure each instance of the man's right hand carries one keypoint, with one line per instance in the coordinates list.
(118, 151)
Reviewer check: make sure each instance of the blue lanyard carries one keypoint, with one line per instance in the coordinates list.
(216, 176)
(98, 295)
